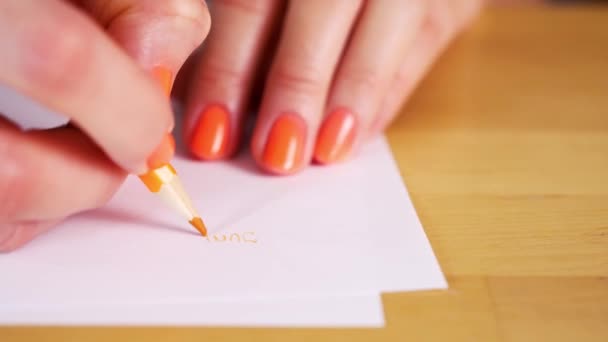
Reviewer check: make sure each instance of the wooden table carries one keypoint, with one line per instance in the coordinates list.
(505, 151)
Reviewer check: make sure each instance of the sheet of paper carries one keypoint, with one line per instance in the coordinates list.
(101, 267)
(335, 231)
(345, 311)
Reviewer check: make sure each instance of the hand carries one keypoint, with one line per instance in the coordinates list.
(338, 72)
(100, 63)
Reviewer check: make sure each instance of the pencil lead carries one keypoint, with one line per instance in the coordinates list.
(198, 223)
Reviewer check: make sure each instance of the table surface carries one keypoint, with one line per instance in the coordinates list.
(504, 148)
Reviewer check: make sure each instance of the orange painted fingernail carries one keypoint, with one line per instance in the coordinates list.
(336, 137)
(163, 154)
(284, 148)
(210, 138)
(163, 76)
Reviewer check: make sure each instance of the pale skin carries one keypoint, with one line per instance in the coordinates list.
(64, 54)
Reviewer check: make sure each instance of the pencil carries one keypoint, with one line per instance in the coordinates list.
(162, 179)
(164, 182)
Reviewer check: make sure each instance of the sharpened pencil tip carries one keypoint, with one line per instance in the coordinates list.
(197, 223)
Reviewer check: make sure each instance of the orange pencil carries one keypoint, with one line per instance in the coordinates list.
(162, 180)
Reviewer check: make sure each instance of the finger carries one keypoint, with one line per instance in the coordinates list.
(61, 59)
(52, 174)
(159, 35)
(439, 27)
(365, 74)
(183, 79)
(15, 235)
(311, 43)
(222, 84)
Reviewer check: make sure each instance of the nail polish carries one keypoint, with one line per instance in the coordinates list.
(284, 149)
(163, 153)
(336, 137)
(163, 76)
(210, 136)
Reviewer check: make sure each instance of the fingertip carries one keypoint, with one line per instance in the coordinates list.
(210, 136)
(17, 235)
(336, 137)
(284, 148)
(163, 153)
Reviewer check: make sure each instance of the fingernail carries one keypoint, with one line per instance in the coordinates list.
(165, 151)
(163, 154)
(336, 137)
(163, 76)
(210, 136)
(284, 148)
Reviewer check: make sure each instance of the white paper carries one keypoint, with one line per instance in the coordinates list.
(334, 231)
(355, 311)
(135, 263)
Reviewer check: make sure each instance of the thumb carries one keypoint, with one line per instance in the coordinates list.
(159, 35)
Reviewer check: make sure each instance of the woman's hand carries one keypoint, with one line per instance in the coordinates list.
(100, 63)
(338, 71)
(333, 72)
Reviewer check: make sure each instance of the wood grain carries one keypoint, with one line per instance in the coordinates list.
(504, 148)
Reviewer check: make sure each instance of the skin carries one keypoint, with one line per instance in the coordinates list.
(64, 55)
(271, 56)
(321, 62)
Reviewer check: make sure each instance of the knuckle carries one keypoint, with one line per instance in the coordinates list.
(248, 6)
(218, 73)
(185, 8)
(194, 11)
(439, 24)
(404, 79)
(362, 80)
(459, 13)
(302, 80)
(59, 56)
(434, 32)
